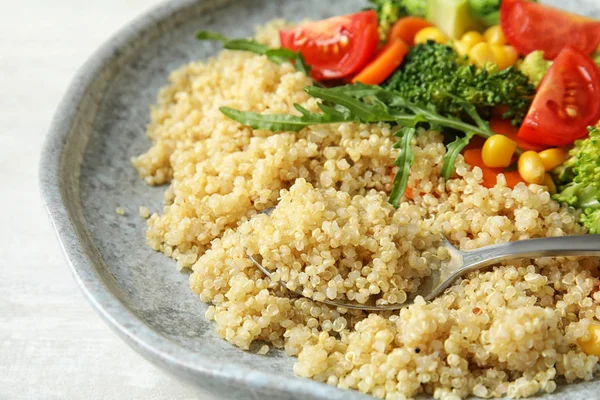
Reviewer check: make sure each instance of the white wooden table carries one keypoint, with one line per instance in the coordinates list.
(52, 344)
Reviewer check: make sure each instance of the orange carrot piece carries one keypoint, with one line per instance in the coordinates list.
(408, 192)
(504, 127)
(512, 178)
(406, 28)
(473, 158)
(476, 142)
(386, 62)
(490, 175)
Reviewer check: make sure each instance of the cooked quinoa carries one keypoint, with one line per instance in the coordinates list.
(509, 331)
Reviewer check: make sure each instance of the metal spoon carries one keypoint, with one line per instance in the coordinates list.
(461, 262)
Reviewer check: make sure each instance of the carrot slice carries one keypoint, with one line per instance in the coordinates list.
(384, 64)
(504, 127)
(512, 178)
(476, 142)
(406, 28)
(490, 175)
(408, 192)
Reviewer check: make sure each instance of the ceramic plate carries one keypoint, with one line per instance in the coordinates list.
(86, 174)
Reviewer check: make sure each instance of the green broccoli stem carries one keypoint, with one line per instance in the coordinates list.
(582, 196)
(588, 198)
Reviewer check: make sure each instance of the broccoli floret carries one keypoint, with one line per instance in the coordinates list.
(591, 220)
(579, 179)
(486, 11)
(534, 66)
(431, 71)
(416, 8)
(389, 11)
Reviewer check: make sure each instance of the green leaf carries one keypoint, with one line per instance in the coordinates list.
(359, 90)
(364, 112)
(279, 56)
(285, 122)
(271, 122)
(209, 35)
(282, 55)
(302, 66)
(246, 45)
(453, 150)
(403, 162)
(471, 111)
(233, 44)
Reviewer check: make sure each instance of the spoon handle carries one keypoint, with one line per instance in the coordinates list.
(581, 245)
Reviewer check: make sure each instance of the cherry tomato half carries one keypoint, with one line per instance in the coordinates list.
(335, 47)
(530, 26)
(566, 103)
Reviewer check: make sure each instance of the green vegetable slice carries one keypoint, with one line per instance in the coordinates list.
(452, 151)
(404, 162)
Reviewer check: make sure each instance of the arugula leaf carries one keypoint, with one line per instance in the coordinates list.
(358, 90)
(403, 162)
(234, 44)
(278, 56)
(281, 55)
(302, 66)
(363, 111)
(271, 122)
(210, 35)
(246, 45)
(288, 123)
(452, 151)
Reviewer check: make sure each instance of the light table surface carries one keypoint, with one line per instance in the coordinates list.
(52, 344)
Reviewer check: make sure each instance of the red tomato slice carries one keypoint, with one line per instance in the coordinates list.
(567, 101)
(530, 26)
(335, 47)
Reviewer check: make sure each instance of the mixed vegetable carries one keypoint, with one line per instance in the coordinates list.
(512, 84)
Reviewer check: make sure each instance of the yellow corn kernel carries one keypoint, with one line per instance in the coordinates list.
(430, 33)
(461, 48)
(471, 38)
(504, 56)
(467, 41)
(481, 54)
(531, 168)
(552, 158)
(498, 151)
(495, 35)
(549, 183)
(591, 344)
